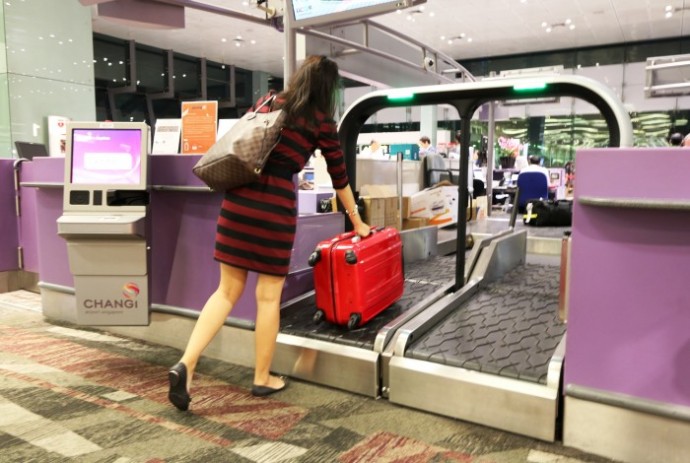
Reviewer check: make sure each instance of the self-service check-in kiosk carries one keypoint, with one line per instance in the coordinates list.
(104, 221)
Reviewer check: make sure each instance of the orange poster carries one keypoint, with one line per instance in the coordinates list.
(199, 123)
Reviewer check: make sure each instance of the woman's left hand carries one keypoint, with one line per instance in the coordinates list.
(362, 229)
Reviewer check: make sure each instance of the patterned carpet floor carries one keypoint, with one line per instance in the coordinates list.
(69, 394)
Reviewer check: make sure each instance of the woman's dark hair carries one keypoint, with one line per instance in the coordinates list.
(312, 89)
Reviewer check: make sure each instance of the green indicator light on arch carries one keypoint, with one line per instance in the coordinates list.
(400, 95)
(529, 86)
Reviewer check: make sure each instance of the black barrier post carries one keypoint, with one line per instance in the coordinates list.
(463, 197)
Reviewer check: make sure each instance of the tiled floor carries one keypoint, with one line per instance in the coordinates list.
(74, 395)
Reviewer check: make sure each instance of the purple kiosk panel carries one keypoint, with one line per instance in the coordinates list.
(8, 218)
(183, 227)
(629, 302)
(45, 252)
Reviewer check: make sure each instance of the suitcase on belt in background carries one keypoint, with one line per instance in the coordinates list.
(356, 279)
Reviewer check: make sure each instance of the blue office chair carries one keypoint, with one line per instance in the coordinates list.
(531, 185)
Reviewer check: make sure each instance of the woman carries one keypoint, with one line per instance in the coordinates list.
(256, 225)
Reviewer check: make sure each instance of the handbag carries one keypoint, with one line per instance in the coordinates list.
(240, 155)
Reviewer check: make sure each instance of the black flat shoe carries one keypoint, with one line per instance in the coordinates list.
(263, 391)
(178, 395)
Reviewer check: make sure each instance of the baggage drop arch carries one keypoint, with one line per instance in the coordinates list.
(467, 97)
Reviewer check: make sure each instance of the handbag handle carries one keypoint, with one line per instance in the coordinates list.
(268, 100)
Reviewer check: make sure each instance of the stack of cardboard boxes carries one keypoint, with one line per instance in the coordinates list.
(433, 206)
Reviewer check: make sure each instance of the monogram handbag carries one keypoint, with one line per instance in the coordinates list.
(240, 155)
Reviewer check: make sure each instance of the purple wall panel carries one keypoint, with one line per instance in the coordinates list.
(629, 304)
(28, 228)
(9, 235)
(53, 266)
(48, 170)
(184, 274)
(183, 227)
(44, 252)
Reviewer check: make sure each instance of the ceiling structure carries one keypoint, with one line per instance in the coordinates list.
(462, 29)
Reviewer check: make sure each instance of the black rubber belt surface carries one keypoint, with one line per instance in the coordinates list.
(422, 279)
(510, 328)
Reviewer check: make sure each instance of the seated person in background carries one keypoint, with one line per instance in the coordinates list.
(521, 162)
(535, 166)
(425, 146)
(374, 151)
(676, 139)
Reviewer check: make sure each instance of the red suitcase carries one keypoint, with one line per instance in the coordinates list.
(356, 279)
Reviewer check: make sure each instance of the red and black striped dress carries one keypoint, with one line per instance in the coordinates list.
(256, 225)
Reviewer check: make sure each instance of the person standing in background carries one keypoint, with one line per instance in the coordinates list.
(425, 146)
(257, 223)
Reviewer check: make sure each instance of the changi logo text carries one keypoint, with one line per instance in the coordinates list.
(130, 292)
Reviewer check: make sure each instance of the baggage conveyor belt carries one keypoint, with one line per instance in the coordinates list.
(493, 352)
(422, 280)
(509, 328)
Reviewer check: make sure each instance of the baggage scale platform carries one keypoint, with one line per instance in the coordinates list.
(424, 280)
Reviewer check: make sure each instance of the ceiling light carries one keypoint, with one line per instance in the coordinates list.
(457, 38)
(669, 8)
(669, 14)
(568, 23)
(223, 40)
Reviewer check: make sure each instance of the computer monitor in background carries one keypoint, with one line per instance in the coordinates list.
(28, 150)
(110, 156)
(106, 164)
(316, 13)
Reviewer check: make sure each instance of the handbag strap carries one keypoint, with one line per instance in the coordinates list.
(268, 100)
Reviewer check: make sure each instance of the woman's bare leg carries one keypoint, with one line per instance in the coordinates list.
(213, 315)
(268, 291)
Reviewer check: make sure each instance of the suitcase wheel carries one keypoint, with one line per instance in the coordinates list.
(318, 316)
(353, 321)
(314, 258)
(350, 257)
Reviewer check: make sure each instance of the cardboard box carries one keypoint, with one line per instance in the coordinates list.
(427, 203)
(380, 205)
(405, 207)
(414, 222)
(435, 205)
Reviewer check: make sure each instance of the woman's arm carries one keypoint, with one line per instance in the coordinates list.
(348, 201)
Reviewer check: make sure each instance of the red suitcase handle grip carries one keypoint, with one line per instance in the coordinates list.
(373, 230)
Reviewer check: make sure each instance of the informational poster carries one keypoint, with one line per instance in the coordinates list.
(199, 123)
(57, 135)
(166, 139)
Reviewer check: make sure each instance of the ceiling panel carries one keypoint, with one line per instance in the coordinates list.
(497, 28)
